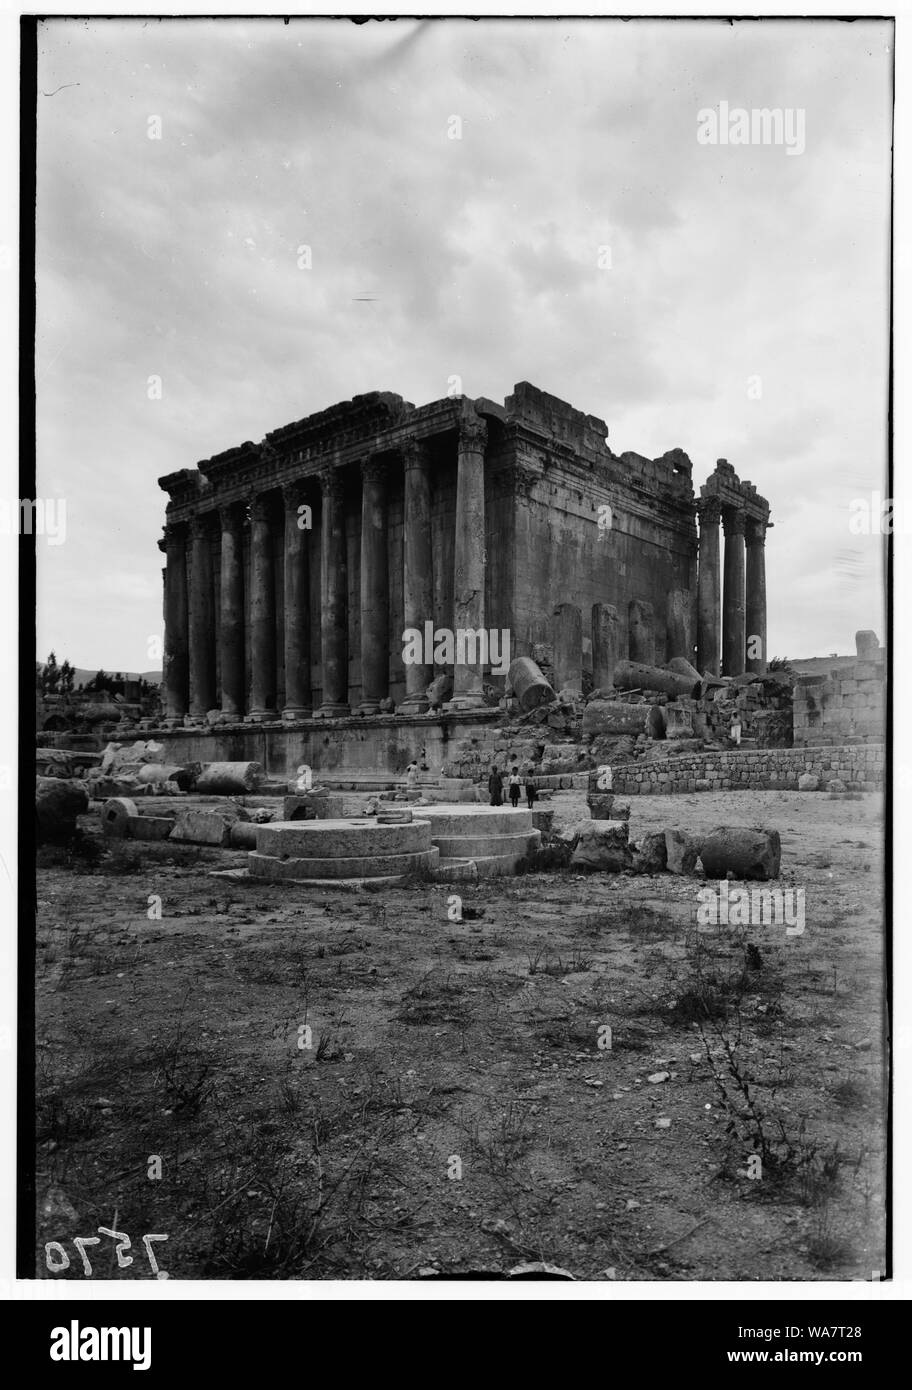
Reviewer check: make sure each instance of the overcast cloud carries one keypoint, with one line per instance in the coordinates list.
(478, 257)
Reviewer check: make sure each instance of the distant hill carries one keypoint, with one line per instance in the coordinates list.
(83, 676)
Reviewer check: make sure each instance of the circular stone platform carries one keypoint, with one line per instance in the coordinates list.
(342, 850)
(494, 838)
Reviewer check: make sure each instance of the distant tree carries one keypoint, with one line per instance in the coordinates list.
(67, 676)
(51, 675)
(780, 663)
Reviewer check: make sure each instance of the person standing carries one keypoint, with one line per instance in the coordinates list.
(530, 789)
(495, 787)
(514, 787)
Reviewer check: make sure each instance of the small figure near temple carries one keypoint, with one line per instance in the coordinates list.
(734, 732)
(514, 786)
(530, 789)
(411, 776)
(495, 787)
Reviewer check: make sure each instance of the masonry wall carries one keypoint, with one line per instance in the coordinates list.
(859, 766)
(830, 708)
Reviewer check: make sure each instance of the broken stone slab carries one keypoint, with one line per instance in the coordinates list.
(681, 852)
(836, 784)
(601, 844)
(613, 717)
(200, 827)
(57, 804)
(621, 809)
(101, 788)
(650, 856)
(528, 684)
(116, 814)
(150, 827)
(632, 675)
(119, 756)
(231, 779)
(743, 853)
(807, 782)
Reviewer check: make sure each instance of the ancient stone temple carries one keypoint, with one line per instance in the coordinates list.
(296, 567)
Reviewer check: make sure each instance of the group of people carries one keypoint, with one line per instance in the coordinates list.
(515, 785)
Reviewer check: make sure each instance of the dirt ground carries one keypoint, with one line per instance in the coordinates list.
(295, 1083)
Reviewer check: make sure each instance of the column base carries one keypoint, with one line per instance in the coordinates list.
(465, 702)
(415, 705)
(367, 707)
(261, 716)
(296, 714)
(331, 709)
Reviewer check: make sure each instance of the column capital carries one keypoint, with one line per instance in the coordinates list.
(733, 522)
(331, 483)
(709, 510)
(260, 508)
(294, 493)
(473, 432)
(373, 470)
(232, 515)
(414, 454)
(201, 525)
(175, 533)
(755, 530)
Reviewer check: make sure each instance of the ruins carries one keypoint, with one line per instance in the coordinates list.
(294, 567)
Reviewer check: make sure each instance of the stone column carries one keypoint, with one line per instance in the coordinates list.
(202, 627)
(375, 654)
(417, 567)
(755, 536)
(298, 531)
(567, 642)
(733, 592)
(231, 610)
(678, 625)
(334, 597)
(262, 614)
(708, 588)
(605, 644)
(469, 564)
(641, 620)
(175, 659)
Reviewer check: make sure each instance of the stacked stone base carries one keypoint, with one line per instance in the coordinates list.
(493, 839)
(337, 852)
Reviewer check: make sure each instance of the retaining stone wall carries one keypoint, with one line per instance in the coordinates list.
(761, 769)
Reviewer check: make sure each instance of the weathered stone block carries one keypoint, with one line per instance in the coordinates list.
(744, 853)
(231, 779)
(57, 804)
(681, 852)
(116, 814)
(601, 845)
(201, 827)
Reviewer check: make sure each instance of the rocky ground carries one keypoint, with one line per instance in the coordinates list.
(294, 1083)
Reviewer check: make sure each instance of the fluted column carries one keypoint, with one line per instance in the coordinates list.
(469, 565)
(334, 597)
(202, 627)
(733, 592)
(298, 532)
(417, 567)
(374, 587)
(262, 614)
(231, 610)
(755, 599)
(175, 658)
(708, 586)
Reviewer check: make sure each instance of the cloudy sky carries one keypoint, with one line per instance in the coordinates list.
(479, 257)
